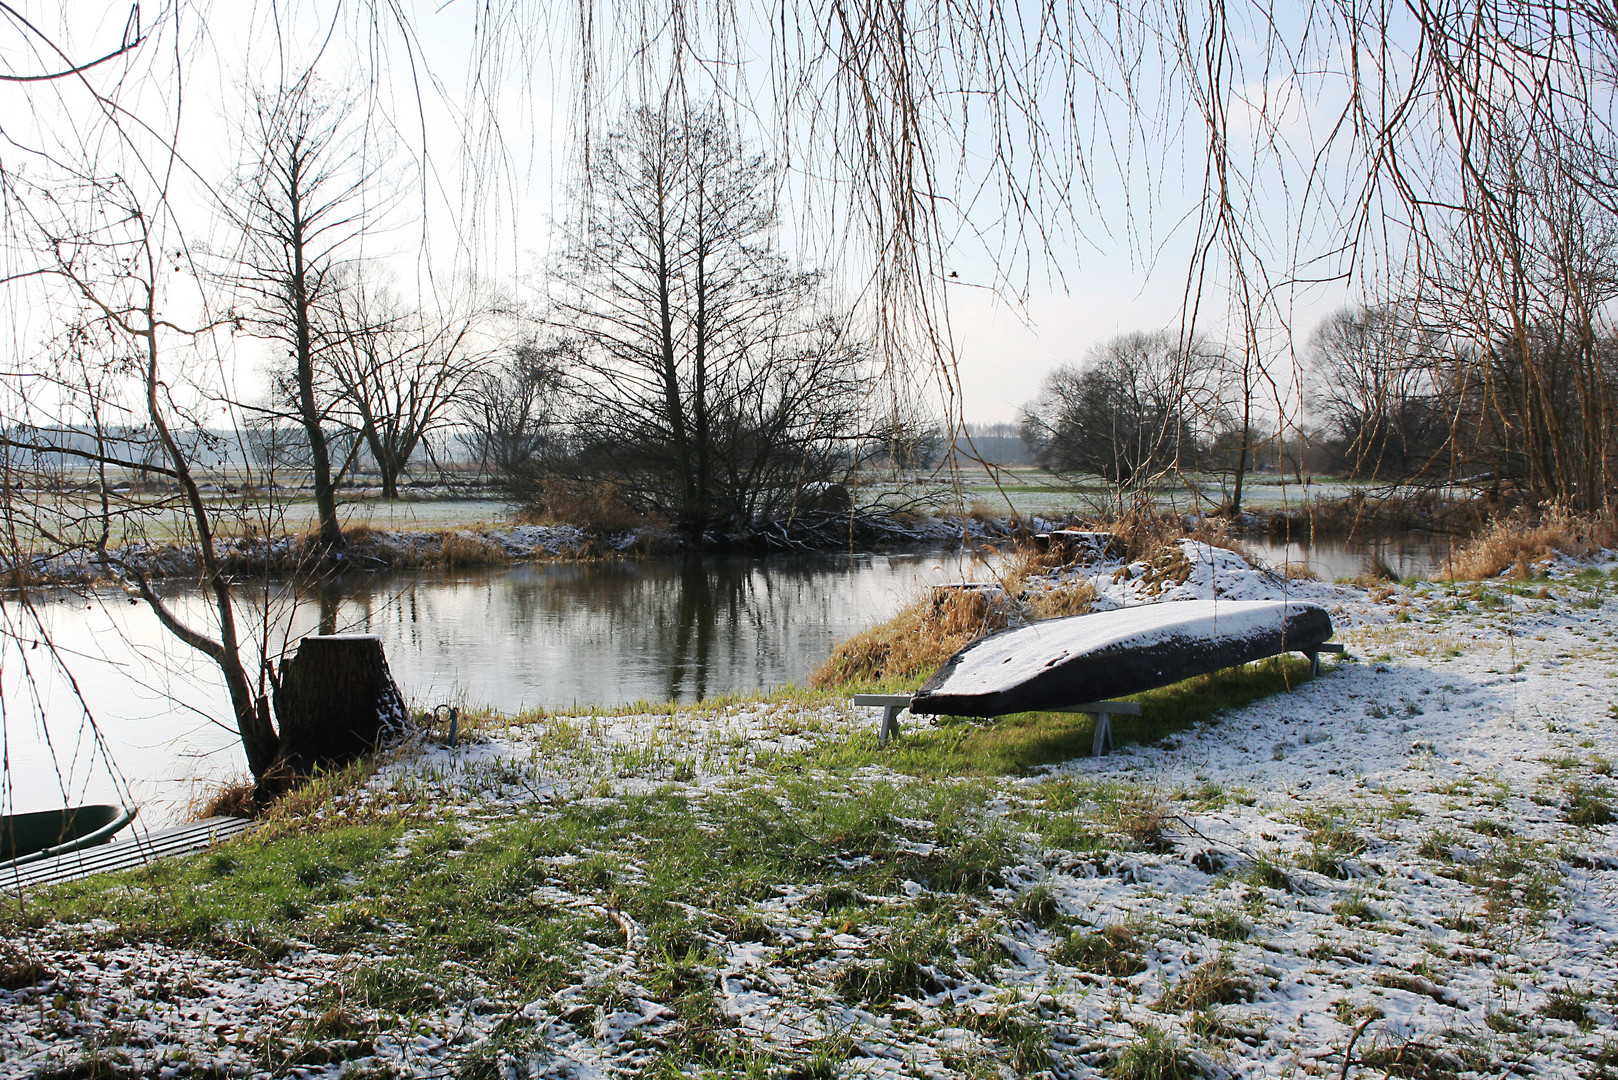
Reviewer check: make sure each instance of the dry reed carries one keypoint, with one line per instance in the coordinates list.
(1518, 544)
(1065, 598)
(230, 798)
(594, 507)
(916, 641)
(469, 549)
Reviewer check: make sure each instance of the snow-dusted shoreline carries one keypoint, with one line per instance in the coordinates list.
(1386, 849)
(381, 549)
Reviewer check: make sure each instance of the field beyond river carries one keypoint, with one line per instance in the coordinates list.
(1404, 867)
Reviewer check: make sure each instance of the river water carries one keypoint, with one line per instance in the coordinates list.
(122, 712)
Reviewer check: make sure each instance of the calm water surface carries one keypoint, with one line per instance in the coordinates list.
(130, 715)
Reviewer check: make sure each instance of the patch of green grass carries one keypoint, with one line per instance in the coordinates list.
(1177, 707)
(1223, 925)
(1007, 746)
(1206, 796)
(451, 911)
(1038, 906)
(824, 1060)
(1502, 1022)
(1115, 950)
(1567, 1006)
(1025, 1039)
(1015, 745)
(1331, 840)
(1213, 983)
(1069, 832)
(1268, 875)
(1154, 1055)
(1080, 816)
(274, 888)
(908, 962)
(1490, 827)
(1589, 805)
(1519, 881)
(1439, 845)
(1353, 909)
(1413, 1059)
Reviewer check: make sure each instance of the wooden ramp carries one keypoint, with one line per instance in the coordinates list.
(135, 850)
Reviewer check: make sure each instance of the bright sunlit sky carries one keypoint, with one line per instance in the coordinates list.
(1093, 285)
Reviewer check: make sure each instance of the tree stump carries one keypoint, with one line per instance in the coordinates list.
(336, 701)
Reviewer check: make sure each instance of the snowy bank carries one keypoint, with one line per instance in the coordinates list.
(1412, 854)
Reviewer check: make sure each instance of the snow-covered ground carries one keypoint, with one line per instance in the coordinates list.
(1409, 861)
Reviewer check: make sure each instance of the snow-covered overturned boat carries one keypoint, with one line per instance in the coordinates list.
(1059, 663)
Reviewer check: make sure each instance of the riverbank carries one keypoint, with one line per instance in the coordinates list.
(449, 532)
(373, 549)
(1407, 861)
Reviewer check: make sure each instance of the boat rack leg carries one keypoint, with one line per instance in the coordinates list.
(1314, 654)
(1104, 711)
(891, 705)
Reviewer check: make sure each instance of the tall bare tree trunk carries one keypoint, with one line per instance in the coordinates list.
(329, 532)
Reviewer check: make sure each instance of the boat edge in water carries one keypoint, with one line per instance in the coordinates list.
(107, 824)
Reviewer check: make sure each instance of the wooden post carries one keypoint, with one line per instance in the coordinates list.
(336, 701)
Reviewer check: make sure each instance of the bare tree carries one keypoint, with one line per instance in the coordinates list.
(1523, 291)
(106, 249)
(1132, 411)
(709, 376)
(1372, 382)
(398, 371)
(511, 411)
(1238, 381)
(300, 205)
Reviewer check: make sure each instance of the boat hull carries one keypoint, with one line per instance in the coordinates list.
(25, 838)
(1059, 663)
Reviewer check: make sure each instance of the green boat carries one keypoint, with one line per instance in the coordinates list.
(26, 838)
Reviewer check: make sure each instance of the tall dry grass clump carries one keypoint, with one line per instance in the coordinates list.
(1517, 543)
(1032, 559)
(1142, 534)
(469, 549)
(1067, 598)
(229, 798)
(916, 641)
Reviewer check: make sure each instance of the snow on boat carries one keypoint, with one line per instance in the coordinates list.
(1059, 663)
(26, 838)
